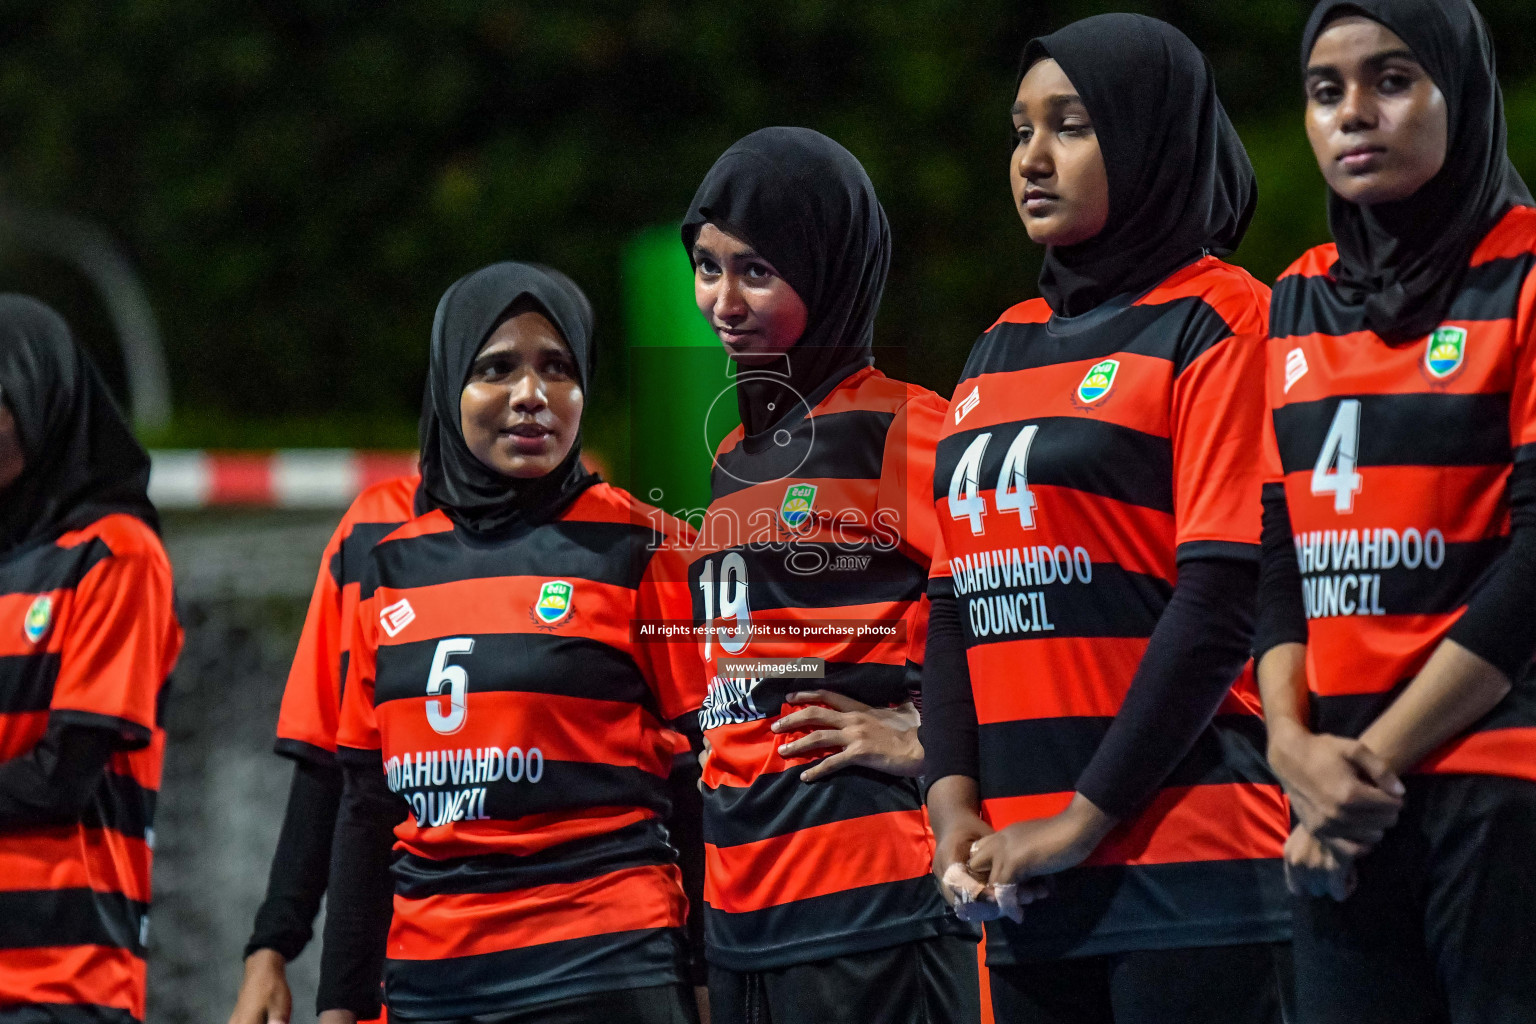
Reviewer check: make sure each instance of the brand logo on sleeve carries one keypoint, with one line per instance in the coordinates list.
(1445, 351)
(1098, 381)
(965, 405)
(554, 603)
(39, 618)
(1295, 368)
(396, 617)
(796, 507)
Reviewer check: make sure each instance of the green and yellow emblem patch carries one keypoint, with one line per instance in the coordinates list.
(1445, 351)
(39, 618)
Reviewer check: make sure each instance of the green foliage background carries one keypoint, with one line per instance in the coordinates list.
(298, 183)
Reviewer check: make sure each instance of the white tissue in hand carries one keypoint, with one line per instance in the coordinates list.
(1008, 905)
(971, 905)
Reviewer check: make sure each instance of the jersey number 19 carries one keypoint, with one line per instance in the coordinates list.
(732, 601)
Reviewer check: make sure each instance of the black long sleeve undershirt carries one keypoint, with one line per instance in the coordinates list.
(52, 784)
(1499, 625)
(1282, 615)
(948, 729)
(1199, 646)
(301, 865)
(361, 889)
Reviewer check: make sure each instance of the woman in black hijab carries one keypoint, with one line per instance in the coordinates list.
(1092, 729)
(74, 459)
(1403, 245)
(1180, 184)
(818, 907)
(804, 199)
(481, 497)
(1402, 373)
(85, 659)
(503, 713)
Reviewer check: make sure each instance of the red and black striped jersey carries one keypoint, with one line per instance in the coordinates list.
(311, 709)
(522, 724)
(825, 522)
(1395, 463)
(1082, 459)
(88, 636)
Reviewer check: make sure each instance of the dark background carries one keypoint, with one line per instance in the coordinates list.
(298, 183)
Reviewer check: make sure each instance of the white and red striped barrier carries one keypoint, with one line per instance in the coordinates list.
(297, 479)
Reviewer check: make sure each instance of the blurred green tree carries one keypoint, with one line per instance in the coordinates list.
(299, 182)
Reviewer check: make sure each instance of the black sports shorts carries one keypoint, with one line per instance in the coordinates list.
(1441, 928)
(1246, 984)
(930, 981)
(656, 1004)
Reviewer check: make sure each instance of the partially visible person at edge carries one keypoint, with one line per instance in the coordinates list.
(306, 733)
(818, 908)
(1396, 612)
(1093, 727)
(501, 722)
(89, 639)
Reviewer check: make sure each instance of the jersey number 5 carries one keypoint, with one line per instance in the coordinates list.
(455, 680)
(732, 601)
(1012, 492)
(1335, 472)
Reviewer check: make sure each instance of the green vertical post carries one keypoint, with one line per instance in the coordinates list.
(681, 395)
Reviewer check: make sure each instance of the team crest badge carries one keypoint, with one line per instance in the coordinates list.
(39, 618)
(796, 509)
(1445, 351)
(1098, 382)
(554, 602)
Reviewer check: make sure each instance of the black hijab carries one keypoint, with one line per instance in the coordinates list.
(472, 494)
(426, 423)
(81, 460)
(1180, 183)
(806, 205)
(1404, 261)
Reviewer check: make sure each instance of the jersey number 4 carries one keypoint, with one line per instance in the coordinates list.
(1334, 473)
(1012, 492)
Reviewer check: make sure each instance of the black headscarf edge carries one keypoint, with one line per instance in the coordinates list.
(82, 462)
